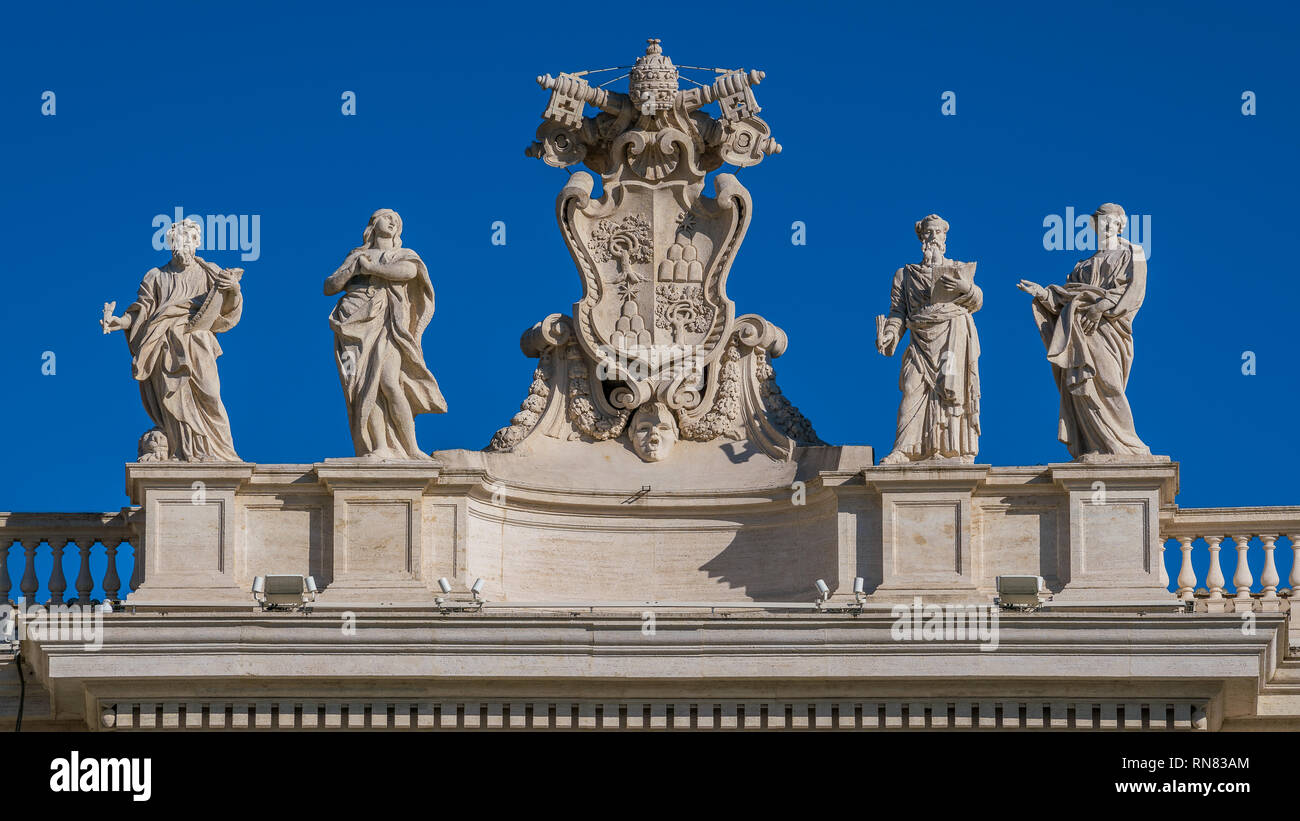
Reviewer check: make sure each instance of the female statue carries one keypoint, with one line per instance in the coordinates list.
(386, 305)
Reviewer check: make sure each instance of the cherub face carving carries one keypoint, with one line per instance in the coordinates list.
(653, 432)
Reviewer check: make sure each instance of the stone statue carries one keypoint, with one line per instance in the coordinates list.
(939, 416)
(386, 305)
(655, 340)
(1087, 327)
(171, 331)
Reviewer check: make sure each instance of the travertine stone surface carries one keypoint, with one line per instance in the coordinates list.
(654, 336)
(781, 671)
(939, 416)
(194, 545)
(1087, 327)
(599, 523)
(171, 331)
(387, 303)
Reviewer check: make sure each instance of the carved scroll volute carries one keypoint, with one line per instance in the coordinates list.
(576, 195)
(734, 201)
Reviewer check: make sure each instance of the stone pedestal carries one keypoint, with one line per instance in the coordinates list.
(926, 516)
(379, 530)
(1114, 527)
(190, 531)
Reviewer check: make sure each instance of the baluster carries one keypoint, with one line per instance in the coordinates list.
(111, 582)
(5, 544)
(1241, 577)
(1186, 575)
(1268, 579)
(1295, 567)
(137, 568)
(85, 581)
(29, 584)
(58, 583)
(1214, 578)
(1164, 572)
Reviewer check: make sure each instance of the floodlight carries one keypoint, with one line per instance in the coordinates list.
(444, 585)
(284, 592)
(823, 591)
(1021, 592)
(477, 588)
(859, 586)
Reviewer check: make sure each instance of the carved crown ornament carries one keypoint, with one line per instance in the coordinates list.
(654, 350)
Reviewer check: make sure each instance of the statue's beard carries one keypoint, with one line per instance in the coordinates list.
(932, 251)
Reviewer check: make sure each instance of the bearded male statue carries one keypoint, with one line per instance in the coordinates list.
(938, 417)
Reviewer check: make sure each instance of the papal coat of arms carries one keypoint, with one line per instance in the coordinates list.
(654, 349)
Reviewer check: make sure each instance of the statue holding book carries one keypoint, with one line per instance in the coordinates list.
(938, 417)
(171, 331)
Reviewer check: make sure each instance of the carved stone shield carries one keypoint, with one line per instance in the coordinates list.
(654, 260)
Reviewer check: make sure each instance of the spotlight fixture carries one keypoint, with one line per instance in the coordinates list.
(823, 592)
(1021, 592)
(448, 605)
(284, 592)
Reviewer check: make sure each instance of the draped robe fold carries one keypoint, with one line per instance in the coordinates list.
(378, 318)
(176, 368)
(1091, 370)
(939, 413)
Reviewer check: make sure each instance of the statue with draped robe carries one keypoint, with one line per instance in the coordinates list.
(171, 332)
(387, 302)
(938, 417)
(1087, 327)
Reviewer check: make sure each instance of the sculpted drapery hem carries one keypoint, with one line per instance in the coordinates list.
(177, 368)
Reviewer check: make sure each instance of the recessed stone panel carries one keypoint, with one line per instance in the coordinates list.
(378, 537)
(189, 536)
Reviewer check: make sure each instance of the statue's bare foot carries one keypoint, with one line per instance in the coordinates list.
(896, 458)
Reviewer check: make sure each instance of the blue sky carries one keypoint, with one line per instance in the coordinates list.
(235, 109)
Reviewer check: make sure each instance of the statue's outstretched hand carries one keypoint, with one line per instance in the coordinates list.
(1032, 288)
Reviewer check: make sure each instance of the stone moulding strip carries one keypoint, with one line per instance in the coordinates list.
(624, 714)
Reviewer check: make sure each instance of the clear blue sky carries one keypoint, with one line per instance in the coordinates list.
(234, 108)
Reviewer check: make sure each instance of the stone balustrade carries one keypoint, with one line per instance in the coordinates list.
(1252, 533)
(26, 532)
(1201, 535)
